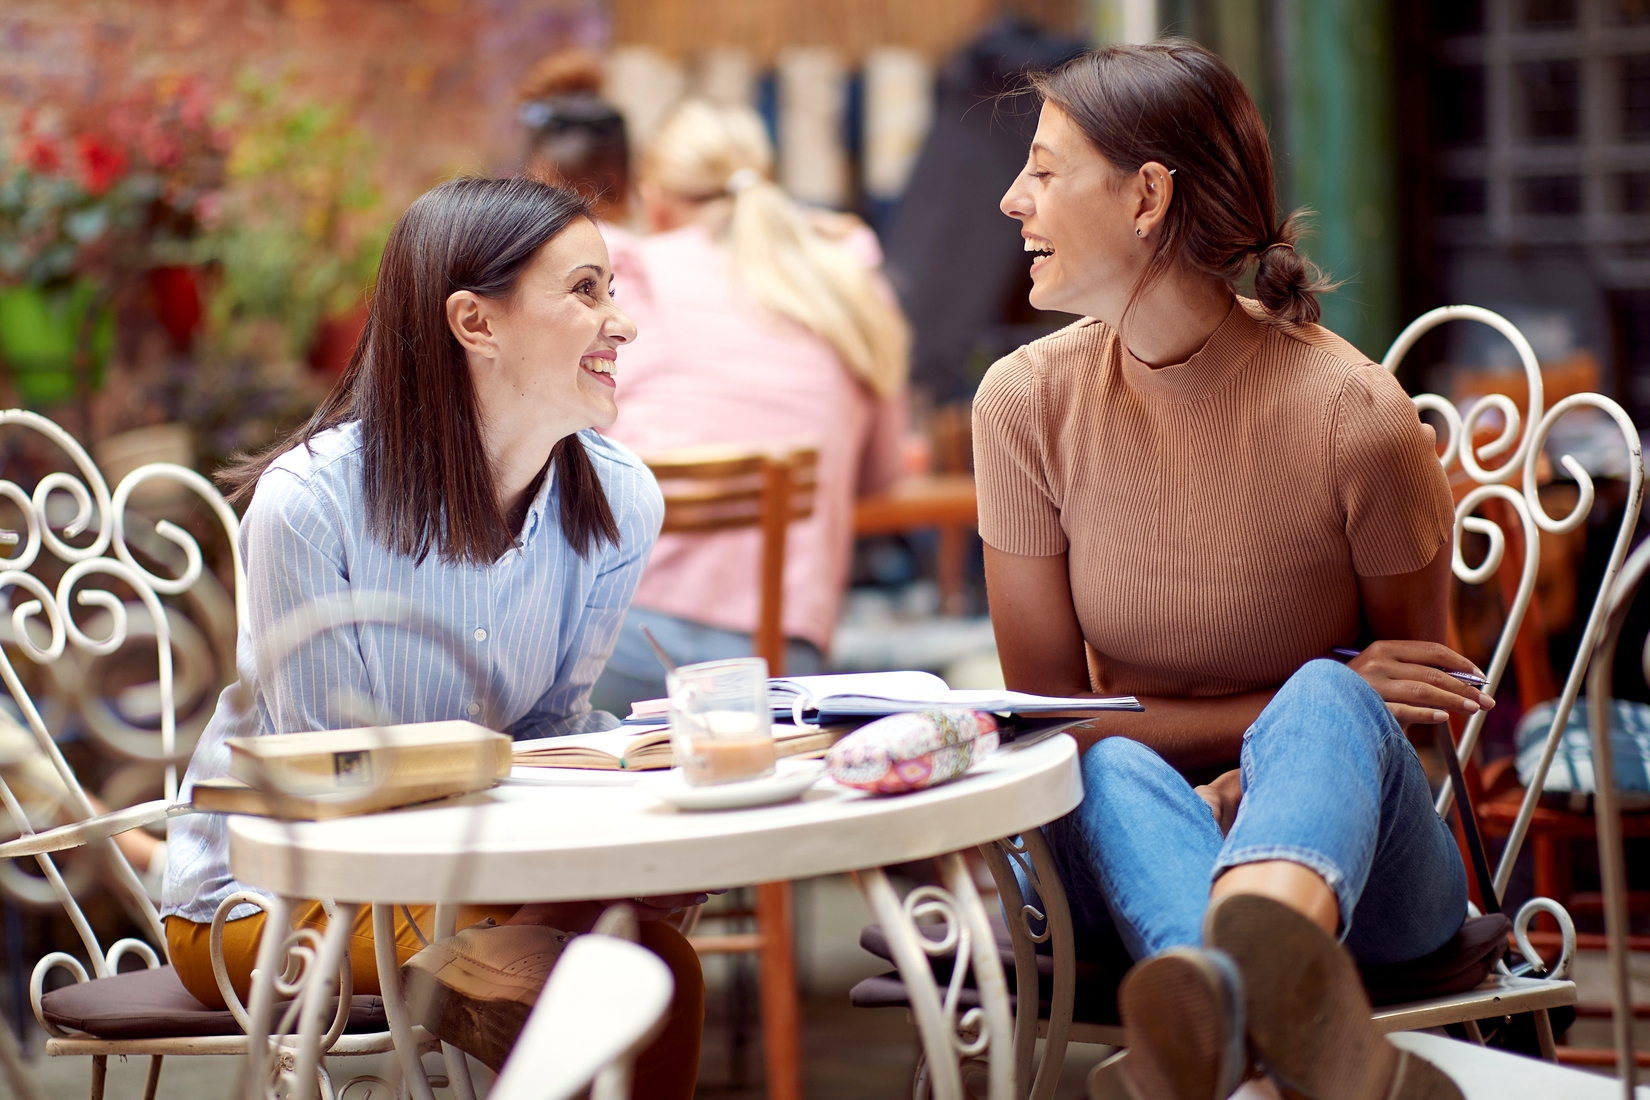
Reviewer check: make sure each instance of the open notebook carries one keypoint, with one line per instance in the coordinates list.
(855, 696)
(641, 748)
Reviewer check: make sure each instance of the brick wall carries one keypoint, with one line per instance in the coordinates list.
(763, 27)
(432, 80)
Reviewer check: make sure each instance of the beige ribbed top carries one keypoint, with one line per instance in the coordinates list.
(1218, 512)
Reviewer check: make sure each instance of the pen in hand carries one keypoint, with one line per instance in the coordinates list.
(1465, 677)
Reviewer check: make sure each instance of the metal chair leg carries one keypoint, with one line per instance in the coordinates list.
(153, 1082)
(1544, 1035)
(12, 1063)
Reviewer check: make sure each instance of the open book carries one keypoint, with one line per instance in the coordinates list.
(634, 748)
(856, 696)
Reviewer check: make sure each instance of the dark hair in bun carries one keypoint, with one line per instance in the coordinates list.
(1177, 103)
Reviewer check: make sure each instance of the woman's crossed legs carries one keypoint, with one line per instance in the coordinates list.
(1329, 782)
(1336, 824)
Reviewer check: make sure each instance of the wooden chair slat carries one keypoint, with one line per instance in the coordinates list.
(700, 493)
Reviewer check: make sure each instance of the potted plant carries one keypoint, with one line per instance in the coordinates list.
(302, 225)
(87, 210)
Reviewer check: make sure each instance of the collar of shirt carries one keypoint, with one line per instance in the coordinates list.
(535, 511)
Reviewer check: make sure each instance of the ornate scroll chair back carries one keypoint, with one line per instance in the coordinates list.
(709, 489)
(1513, 457)
(75, 529)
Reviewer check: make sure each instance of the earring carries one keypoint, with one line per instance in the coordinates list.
(1139, 233)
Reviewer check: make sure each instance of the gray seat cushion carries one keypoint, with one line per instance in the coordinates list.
(153, 1004)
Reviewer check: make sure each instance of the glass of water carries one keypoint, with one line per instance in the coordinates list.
(720, 723)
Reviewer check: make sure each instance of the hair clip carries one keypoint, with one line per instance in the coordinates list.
(742, 179)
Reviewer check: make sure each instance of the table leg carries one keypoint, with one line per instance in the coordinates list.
(395, 1006)
(1018, 863)
(951, 567)
(984, 1033)
(320, 979)
(458, 1069)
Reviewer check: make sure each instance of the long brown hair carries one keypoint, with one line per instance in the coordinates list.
(1177, 103)
(427, 478)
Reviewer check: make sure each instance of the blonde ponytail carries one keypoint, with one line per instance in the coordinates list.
(787, 264)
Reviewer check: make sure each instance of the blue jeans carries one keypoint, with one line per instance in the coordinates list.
(633, 672)
(1329, 782)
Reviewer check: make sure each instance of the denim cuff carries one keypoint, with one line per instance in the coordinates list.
(1314, 861)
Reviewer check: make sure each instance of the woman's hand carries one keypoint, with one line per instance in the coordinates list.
(1223, 795)
(1412, 678)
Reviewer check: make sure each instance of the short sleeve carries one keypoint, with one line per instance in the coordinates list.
(1392, 489)
(1018, 512)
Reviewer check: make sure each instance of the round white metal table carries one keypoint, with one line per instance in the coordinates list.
(528, 842)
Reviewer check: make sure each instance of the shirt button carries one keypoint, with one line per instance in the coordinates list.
(481, 634)
(473, 709)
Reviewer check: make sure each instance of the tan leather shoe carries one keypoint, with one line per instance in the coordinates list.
(1308, 1015)
(1183, 1017)
(476, 989)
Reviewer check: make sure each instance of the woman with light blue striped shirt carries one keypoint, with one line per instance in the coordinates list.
(456, 469)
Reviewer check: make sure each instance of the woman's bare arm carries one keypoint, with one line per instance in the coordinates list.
(1040, 644)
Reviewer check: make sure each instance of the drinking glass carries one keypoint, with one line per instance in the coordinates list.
(720, 722)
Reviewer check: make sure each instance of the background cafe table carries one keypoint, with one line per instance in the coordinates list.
(524, 843)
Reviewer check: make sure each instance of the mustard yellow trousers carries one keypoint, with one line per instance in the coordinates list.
(666, 1070)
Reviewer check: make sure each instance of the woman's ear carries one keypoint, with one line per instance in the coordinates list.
(470, 317)
(1154, 190)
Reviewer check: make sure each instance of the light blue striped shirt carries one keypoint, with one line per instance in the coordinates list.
(537, 626)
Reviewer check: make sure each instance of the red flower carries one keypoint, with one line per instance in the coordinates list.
(40, 154)
(160, 148)
(100, 164)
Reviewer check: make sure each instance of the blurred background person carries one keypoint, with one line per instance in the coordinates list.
(767, 325)
(574, 136)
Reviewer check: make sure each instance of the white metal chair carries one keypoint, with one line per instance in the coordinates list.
(145, 1012)
(606, 999)
(1504, 993)
(1607, 813)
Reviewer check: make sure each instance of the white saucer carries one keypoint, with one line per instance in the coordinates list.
(789, 780)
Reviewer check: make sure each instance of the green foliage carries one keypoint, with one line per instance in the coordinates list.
(302, 226)
(57, 225)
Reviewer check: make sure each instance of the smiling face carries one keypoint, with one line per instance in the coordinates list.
(1079, 213)
(543, 359)
(557, 337)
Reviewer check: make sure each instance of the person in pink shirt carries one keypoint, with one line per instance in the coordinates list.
(766, 325)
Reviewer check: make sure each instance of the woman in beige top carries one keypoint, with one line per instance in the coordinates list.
(1191, 496)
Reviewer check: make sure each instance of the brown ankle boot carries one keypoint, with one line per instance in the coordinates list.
(476, 989)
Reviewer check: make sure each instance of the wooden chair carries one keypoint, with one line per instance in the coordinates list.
(708, 489)
(147, 1011)
(945, 502)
